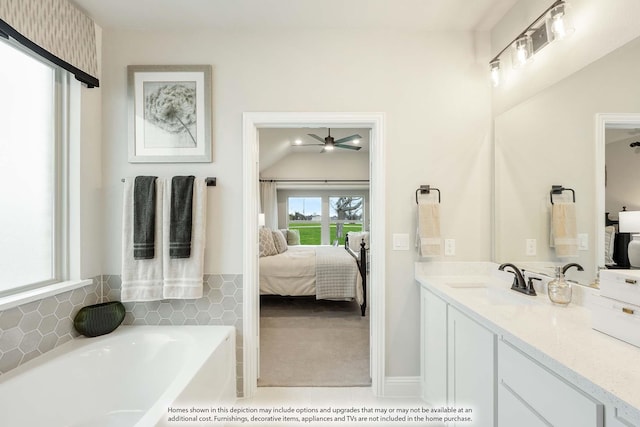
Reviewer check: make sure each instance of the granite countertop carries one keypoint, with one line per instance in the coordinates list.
(558, 337)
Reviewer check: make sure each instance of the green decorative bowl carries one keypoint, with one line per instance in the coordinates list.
(99, 319)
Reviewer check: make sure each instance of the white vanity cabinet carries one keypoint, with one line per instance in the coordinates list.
(433, 353)
(529, 395)
(457, 357)
(471, 367)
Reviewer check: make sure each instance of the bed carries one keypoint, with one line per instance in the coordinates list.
(326, 272)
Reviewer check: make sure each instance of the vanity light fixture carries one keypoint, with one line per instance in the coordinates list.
(551, 25)
(495, 72)
(560, 25)
(522, 51)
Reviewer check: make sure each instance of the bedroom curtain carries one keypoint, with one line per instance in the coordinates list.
(269, 204)
(55, 30)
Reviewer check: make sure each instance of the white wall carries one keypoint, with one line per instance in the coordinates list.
(434, 92)
(348, 165)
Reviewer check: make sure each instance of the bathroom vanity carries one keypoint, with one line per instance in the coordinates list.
(516, 359)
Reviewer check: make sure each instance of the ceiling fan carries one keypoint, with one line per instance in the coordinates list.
(329, 143)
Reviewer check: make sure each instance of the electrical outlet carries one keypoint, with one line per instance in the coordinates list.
(449, 247)
(531, 247)
(583, 242)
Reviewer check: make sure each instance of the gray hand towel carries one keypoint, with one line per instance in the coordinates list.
(181, 217)
(144, 217)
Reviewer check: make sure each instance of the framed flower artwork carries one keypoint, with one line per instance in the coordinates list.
(169, 113)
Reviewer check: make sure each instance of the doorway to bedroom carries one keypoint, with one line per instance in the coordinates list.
(334, 204)
(314, 201)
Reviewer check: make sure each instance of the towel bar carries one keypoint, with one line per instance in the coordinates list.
(558, 189)
(211, 181)
(426, 189)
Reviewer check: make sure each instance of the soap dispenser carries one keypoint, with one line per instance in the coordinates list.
(559, 289)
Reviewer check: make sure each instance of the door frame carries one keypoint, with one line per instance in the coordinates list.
(251, 122)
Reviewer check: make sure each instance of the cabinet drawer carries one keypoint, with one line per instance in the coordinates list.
(620, 320)
(548, 396)
(623, 285)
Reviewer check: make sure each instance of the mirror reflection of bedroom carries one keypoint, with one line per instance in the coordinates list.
(622, 151)
(314, 243)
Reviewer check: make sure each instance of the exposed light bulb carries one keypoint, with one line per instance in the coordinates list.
(558, 28)
(560, 25)
(495, 72)
(523, 51)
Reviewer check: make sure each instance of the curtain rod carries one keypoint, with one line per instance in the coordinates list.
(326, 181)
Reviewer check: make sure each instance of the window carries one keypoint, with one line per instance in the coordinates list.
(31, 171)
(305, 215)
(345, 215)
(323, 218)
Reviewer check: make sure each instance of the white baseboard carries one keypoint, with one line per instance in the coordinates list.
(402, 387)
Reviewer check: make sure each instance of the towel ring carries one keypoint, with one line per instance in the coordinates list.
(426, 189)
(558, 189)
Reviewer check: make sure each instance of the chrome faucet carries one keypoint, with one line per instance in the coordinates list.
(519, 283)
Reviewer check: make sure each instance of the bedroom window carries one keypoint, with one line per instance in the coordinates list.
(305, 215)
(345, 213)
(31, 171)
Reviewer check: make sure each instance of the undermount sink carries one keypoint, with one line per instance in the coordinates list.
(498, 296)
(495, 295)
(467, 285)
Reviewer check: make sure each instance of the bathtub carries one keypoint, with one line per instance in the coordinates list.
(127, 378)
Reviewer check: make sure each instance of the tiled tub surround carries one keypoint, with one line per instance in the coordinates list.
(221, 304)
(31, 329)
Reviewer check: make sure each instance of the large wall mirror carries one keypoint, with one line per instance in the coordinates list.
(558, 137)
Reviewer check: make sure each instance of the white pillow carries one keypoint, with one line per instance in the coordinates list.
(279, 241)
(267, 245)
(609, 244)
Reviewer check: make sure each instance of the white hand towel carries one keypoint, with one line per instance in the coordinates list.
(564, 235)
(141, 278)
(429, 241)
(183, 277)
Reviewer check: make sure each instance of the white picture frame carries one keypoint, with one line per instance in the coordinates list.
(169, 113)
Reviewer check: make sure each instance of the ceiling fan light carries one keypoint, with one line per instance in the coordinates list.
(356, 141)
(298, 141)
(328, 147)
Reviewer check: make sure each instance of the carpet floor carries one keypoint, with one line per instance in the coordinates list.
(309, 343)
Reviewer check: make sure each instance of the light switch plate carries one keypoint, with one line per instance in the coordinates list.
(400, 242)
(583, 241)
